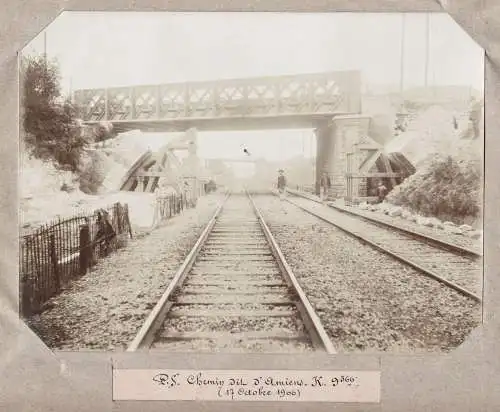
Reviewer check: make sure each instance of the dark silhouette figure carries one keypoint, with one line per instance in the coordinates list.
(246, 152)
(381, 192)
(325, 185)
(105, 233)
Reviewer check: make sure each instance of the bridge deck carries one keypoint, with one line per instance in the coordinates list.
(269, 102)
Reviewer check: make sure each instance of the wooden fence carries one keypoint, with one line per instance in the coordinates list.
(62, 250)
(171, 205)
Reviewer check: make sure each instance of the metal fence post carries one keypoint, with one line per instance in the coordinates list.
(84, 248)
(25, 298)
(55, 265)
(117, 217)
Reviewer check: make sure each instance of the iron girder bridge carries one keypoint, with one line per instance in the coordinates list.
(293, 101)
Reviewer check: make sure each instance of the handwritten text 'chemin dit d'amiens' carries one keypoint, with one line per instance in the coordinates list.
(247, 385)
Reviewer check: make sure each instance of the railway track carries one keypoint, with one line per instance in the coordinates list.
(438, 242)
(453, 266)
(234, 292)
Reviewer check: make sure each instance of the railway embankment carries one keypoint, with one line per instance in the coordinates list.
(103, 309)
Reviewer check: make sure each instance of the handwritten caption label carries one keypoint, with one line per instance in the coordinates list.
(246, 385)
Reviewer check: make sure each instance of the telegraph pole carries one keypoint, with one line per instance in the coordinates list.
(427, 43)
(313, 158)
(303, 144)
(45, 45)
(71, 90)
(403, 32)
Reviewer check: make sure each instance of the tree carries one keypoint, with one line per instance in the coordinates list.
(49, 121)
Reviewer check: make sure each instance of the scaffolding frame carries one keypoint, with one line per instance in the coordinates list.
(355, 177)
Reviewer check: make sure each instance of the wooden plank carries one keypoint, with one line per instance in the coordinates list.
(245, 268)
(226, 313)
(211, 271)
(236, 258)
(389, 168)
(247, 283)
(268, 335)
(241, 230)
(217, 291)
(206, 280)
(235, 242)
(212, 300)
(238, 247)
(129, 178)
(243, 252)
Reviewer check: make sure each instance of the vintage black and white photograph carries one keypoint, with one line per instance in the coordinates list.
(251, 182)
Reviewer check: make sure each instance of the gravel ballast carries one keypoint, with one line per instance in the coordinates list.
(441, 234)
(366, 300)
(105, 309)
(234, 325)
(462, 271)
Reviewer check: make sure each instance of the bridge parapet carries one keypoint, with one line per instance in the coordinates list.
(305, 94)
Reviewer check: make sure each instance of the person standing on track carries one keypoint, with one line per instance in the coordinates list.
(325, 185)
(281, 184)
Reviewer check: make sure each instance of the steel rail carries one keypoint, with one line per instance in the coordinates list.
(459, 250)
(311, 320)
(393, 254)
(145, 336)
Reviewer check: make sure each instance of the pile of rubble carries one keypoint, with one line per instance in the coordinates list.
(431, 222)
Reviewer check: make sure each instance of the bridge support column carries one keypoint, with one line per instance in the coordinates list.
(325, 142)
(334, 141)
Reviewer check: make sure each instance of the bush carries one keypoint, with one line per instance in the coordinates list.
(92, 174)
(50, 127)
(104, 131)
(444, 188)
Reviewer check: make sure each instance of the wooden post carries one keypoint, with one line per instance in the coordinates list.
(25, 298)
(187, 101)
(106, 104)
(37, 245)
(53, 258)
(25, 288)
(133, 102)
(127, 219)
(140, 184)
(117, 214)
(277, 95)
(158, 102)
(84, 248)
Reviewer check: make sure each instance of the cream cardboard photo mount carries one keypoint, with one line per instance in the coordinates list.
(324, 206)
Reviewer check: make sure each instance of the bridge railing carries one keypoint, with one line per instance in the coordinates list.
(336, 92)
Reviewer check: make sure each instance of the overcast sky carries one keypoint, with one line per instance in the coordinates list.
(112, 49)
(127, 48)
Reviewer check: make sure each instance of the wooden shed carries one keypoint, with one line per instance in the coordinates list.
(367, 165)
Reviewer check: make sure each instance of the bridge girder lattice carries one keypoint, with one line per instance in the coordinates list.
(202, 104)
